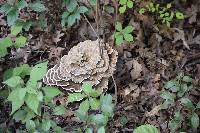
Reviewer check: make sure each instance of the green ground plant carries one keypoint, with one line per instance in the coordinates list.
(177, 90)
(122, 35)
(147, 128)
(12, 10)
(93, 100)
(73, 12)
(28, 98)
(166, 14)
(124, 4)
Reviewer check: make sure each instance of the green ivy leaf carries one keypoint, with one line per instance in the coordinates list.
(46, 125)
(179, 15)
(100, 120)
(82, 9)
(87, 88)
(59, 110)
(118, 26)
(123, 120)
(94, 103)
(71, 6)
(15, 29)
(122, 9)
(17, 98)
(119, 39)
(81, 113)
(30, 125)
(130, 4)
(6, 8)
(12, 16)
(20, 115)
(64, 18)
(51, 91)
(194, 121)
(22, 70)
(187, 103)
(198, 105)
(175, 123)
(71, 20)
(106, 105)
(4, 44)
(13, 81)
(20, 41)
(128, 29)
(38, 71)
(146, 129)
(22, 4)
(171, 84)
(128, 37)
(101, 130)
(37, 6)
(75, 97)
(122, 2)
(187, 79)
(167, 95)
(32, 102)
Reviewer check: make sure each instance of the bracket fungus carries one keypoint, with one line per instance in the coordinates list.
(84, 63)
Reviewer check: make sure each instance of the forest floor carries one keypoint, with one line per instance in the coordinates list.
(157, 55)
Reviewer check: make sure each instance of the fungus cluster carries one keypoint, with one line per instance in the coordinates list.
(84, 63)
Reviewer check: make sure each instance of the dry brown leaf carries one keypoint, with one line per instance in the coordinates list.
(154, 111)
(180, 35)
(57, 37)
(137, 69)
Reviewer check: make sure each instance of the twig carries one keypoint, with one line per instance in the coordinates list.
(115, 96)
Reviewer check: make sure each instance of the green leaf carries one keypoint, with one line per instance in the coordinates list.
(64, 18)
(82, 111)
(38, 71)
(107, 105)
(51, 91)
(142, 10)
(122, 9)
(187, 79)
(87, 88)
(119, 39)
(5, 8)
(198, 105)
(22, 4)
(187, 103)
(20, 115)
(75, 97)
(179, 15)
(100, 120)
(93, 2)
(167, 95)
(71, 6)
(37, 6)
(130, 4)
(122, 2)
(46, 125)
(32, 102)
(30, 125)
(59, 110)
(175, 123)
(194, 121)
(101, 130)
(71, 20)
(22, 70)
(5, 42)
(118, 26)
(94, 103)
(146, 129)
(82, 9)
(123, 120)
(13, 81)
(16, 105)
(88, 130)
(20, 41)
(128, 29)
(169, 5)
(15, 29)
(12, 16)
(128, 37)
